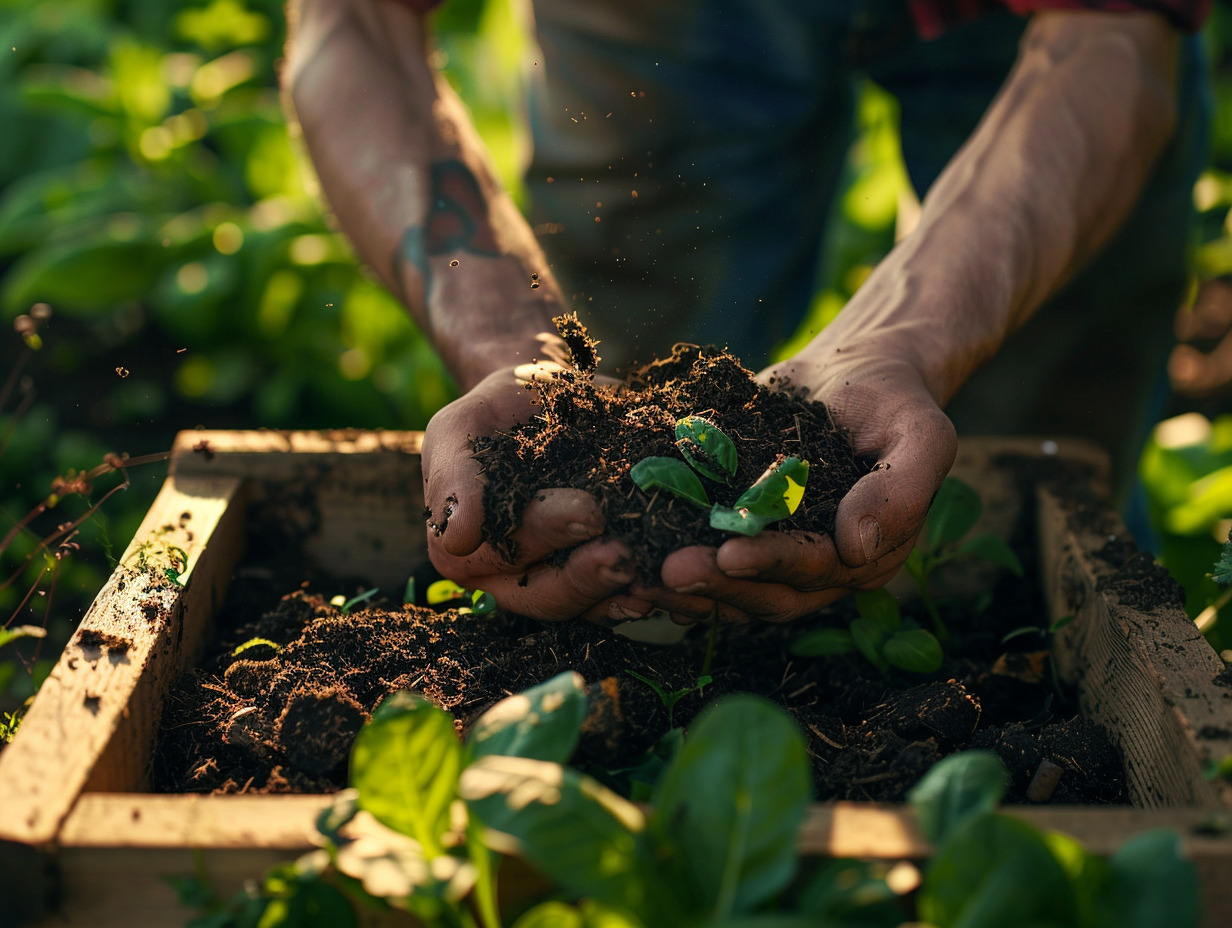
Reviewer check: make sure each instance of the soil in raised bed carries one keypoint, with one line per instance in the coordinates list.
(278, 707)
(280, 715)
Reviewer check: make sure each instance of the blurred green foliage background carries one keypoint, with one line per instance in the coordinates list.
(152, 196)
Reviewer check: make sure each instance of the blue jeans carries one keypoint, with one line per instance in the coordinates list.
(687, 155)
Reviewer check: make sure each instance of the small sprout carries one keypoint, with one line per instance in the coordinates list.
(345, 605)
(775, 495)
(672, 475)
(444, 591)
(704, 445)
(482, 603)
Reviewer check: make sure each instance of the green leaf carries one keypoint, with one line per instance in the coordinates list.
(586, 914)
(707, 448)
(728, 809)
(993, 549)
(995, 871)
(405, 766)
(915, 649)
(672, 475)
(572, 829)
(742, 522)
(82, 276)
(1149, 883)
(878, 604)
(870, 636)
(776, 494)
(957, 788)
(543, 722)
(1223, 567)
(955, 510)
(822, 642)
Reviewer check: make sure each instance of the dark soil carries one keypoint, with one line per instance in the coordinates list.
(282, 720)
(281, 717)
(590, 434)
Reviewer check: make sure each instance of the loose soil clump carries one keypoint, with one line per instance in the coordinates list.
(590, 433)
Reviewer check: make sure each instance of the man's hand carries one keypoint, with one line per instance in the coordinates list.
(779, 576)
(1196, 372)
(589, 583)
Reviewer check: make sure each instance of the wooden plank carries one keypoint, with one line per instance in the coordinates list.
(356, 498)
(94, 719)
(1144, 673)
(110, 841)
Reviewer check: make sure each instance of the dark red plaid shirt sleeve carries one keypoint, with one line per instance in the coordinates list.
(932, 17)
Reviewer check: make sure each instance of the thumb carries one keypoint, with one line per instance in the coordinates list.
(886, 508)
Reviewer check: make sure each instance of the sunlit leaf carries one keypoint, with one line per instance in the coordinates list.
(542, 722)
(572, 829)
(405, 767)
(707, 448)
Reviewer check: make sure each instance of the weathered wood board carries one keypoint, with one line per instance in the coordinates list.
(82, 843)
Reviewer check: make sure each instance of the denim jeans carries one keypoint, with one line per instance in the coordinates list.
(687, 155)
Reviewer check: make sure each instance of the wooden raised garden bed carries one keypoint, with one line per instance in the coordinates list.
(83, 841)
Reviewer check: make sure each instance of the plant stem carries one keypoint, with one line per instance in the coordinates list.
(711, 637)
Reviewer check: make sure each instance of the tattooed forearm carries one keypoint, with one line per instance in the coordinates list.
(457, 221)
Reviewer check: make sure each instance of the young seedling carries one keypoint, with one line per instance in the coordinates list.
(954, 512)
(879, 634)
(775, 495)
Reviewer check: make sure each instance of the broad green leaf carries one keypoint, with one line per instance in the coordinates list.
(995, 871)
(915, 649)
(543, 722)
(1150, 883)
(707, 448)
(586, 914)
(571, 828)
(729, 807)
(82, 277)
(878, 604)
(405, 766)
(672, 475)
(955, 510)
(957, 788)
(821, 642)
(870, 636)
(992, 549)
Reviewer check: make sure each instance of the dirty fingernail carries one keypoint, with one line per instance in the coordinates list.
(697, 587)
(616, 575)
(741, 573)
(870, 537)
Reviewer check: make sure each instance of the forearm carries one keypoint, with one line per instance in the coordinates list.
(1048, 177)
(410, 184)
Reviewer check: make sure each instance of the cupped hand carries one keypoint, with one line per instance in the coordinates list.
(592, 580)
(1195, 372)
(780, 576)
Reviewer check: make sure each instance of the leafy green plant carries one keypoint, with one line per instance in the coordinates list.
(708, 451)
(879, 633)
(669, 700)
(946, 537)
(990, 869)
